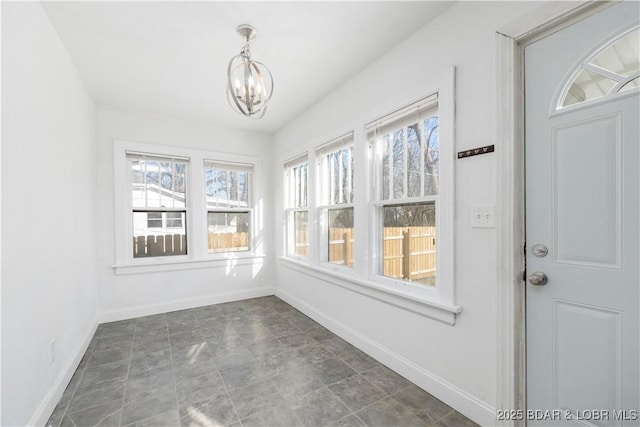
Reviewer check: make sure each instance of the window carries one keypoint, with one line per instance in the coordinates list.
(180, 208)
(408, 184)
(297, 213)
(335, 160)
(227, 188)
(158, 200)
(401, 197)
(612, 69)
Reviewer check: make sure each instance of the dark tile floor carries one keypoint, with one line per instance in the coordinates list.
(256, 362)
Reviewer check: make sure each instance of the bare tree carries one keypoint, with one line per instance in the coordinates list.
(432, 157)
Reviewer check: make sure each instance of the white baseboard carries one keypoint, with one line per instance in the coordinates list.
(52, 398)
(463, 402)
(149, 309)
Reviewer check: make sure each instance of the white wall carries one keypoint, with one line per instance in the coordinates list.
(456, 363)
(131, 295)
(49, 280)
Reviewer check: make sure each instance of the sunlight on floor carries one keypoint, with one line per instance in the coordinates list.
(198, 419)
(194, 351)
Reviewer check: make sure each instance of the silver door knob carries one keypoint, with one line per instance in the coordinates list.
(538, 278)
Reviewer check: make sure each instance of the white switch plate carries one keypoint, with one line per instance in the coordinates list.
(483, 217)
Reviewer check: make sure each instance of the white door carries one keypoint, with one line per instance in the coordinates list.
(582, 204)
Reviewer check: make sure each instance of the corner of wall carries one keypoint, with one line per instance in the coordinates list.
(53, 396)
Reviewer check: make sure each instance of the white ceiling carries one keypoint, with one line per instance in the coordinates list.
(171, 57)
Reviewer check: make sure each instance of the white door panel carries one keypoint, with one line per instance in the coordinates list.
(582, 203)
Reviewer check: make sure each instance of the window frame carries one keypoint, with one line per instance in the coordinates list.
(556, 108)
(444, 291)
(162, 210)
(437, 303)
(232, 167)
(291, 208)
(196, 210)
(325, 202)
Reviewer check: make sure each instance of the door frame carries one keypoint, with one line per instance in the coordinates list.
(510, 43)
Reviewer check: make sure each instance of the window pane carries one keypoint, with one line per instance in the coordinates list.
(151, 238)
(409, 242)
(210, 185)
(221, 194)
(301, 233)
(431, 157)
(340, 241)
(386, 176)
(305, 187)
(179, 185)
(398, 164)
(233, 189)
(633, 84)
(588, 85)
(243, 197)
(157, 183)
(413, 161)
(347, 157)
(228, 231)
(226, 188)
(338, 177)
(138, 186)
(351, 175)
(299, 186)
(333, 178)
(622, 57)
(152, 170)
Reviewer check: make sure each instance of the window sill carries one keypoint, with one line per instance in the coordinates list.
(158, 265)
(418, 304)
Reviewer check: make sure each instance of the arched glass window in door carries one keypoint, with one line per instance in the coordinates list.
(612, 69)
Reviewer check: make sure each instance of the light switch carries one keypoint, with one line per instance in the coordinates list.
(483, 216)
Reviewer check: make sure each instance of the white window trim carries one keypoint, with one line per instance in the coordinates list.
(444, 291)
(290, 233)
(323, 191)
(289, 209)
(408, 299)
(196, 217)
(437, 303)
(233, 167)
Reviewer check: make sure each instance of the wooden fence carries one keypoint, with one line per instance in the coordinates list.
(302, 242)
(409, 252)
(170, 244)
(225, 242)
(176, 244)
(341, 246)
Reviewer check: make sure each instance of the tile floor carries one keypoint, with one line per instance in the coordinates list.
(256, 362)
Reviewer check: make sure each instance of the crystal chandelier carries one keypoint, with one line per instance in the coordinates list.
(249, 83)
